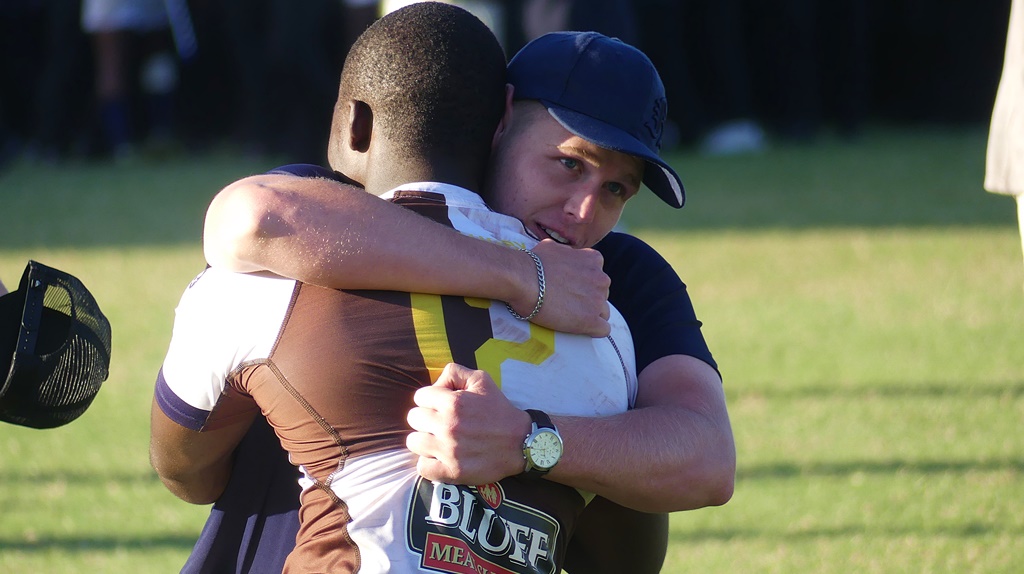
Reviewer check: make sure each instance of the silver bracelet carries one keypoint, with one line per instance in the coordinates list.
(541, 289)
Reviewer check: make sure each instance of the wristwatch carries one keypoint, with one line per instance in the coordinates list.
(542, 448)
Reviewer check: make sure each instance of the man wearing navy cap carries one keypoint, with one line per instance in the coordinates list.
(675, 450)
(604, 91)
(599, 101)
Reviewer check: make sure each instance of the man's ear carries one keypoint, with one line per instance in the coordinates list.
(339, 133)
(361, 125)
(506, 118)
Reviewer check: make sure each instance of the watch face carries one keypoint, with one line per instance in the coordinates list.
(545, 450)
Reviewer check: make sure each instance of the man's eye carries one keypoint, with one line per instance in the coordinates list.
(570, 162)
(617, 189)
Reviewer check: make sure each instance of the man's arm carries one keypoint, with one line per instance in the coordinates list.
(195, 466)
(334, 235)
(674, 451)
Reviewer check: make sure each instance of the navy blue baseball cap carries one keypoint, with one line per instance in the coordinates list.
(604, 91)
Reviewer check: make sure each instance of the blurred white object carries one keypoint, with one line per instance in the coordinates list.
(733, 138)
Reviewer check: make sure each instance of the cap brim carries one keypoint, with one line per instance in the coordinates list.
(11, 306)
(659, 177)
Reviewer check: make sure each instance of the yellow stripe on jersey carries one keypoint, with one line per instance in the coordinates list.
(432, 337)
(431, 333)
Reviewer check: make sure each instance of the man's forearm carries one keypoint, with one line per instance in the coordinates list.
(196, 483)
(333, 235)
(670, 454)
(204, 486)
(195, 466)
(656, 459)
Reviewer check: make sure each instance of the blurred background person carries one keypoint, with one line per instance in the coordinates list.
(740, 73)
(1004, 165)
(131, 42)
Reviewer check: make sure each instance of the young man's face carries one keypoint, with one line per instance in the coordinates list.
(558, 184)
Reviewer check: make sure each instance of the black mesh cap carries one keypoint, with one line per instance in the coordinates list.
(54, 349)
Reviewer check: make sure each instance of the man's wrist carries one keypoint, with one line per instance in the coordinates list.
(519, 284)
(541, 289)
(523, 429)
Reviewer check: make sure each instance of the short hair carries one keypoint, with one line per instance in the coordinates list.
(434, 76)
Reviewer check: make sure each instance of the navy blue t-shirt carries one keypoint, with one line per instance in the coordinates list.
(251, 528)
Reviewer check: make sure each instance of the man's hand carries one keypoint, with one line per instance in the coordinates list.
(577, 290)
(466, 431)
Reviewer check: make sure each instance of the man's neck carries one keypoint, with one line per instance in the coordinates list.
(398, 174)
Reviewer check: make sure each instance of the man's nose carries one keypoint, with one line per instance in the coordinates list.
(583, 205)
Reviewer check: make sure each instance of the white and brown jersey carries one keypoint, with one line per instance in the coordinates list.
(334, 372)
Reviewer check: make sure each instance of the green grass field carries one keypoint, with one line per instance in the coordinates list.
(864, 301)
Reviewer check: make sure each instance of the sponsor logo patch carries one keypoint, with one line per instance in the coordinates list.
(477, 530)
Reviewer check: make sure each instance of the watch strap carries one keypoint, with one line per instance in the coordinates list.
(540, 419)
